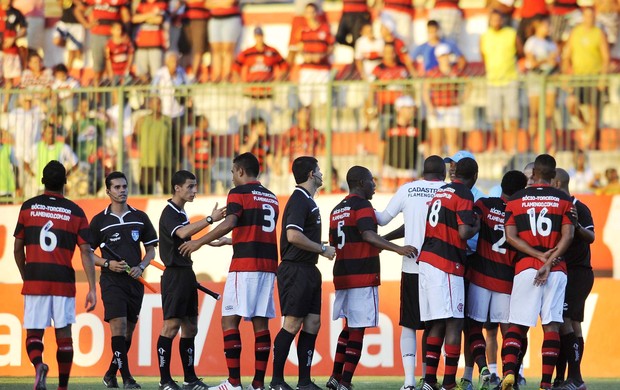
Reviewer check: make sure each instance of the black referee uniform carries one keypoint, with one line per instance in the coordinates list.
(178, 283)
(121, 294)
(299, 280)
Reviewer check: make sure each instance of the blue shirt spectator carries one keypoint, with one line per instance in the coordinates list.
(426, 52)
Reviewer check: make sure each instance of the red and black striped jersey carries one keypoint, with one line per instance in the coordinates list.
(443, 247)
(224, 12)
(51, 226)
(492, 265)
(402, 52)
(196, 10)
(105, 13)
(399, 5)
(357, 261)
(255, 247)
(447, 3)
(119, 54)
(256, 65)
(354, 6)
(538, 212)
(562, 7)
(151, 35)
(445, 94)
(318, 40)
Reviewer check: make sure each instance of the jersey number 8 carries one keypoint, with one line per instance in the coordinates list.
(433, 215)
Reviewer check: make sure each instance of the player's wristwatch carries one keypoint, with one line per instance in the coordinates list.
(209, 220)
(323, 248)
(106, 264)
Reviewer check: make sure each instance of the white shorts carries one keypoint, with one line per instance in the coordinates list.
(404, 25)
(527, 301)
(249, 294)
(10, 66)
(41, 310)
(225, 30)
(442, 295)
(73, 34)
(502, 101)
(445, 118)
(484, 304)
(313, 86)
(360, 306)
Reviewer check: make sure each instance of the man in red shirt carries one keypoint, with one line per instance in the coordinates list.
(119, 55)
(389, 69)
(150, 37)
(12, 27)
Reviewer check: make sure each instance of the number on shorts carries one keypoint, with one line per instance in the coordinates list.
(270, 218)
(47, 239)
(541, 224)
(497, 247)
(341, 238)
(433, 216)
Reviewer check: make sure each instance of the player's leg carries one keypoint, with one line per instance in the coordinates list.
(164, 348)
(305, 350)
(409, 322)
(34, 347)
(436, 334)
(491, 346)
(37, 317)
(118, 328)
(64, 355)
(339, 358)
(454, 329)
(551, 319)
(187, 348)
(232, 348)
(282, 345)
(353, 354)
(550, 352)
(262, 347)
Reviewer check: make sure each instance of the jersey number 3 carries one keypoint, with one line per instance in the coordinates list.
(270, 218)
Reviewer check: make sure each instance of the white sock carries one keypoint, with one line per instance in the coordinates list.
(493, 368)
(408, 350)
(468, 373)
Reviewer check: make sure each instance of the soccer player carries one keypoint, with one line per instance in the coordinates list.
(539, 227)
(450, 222)
(579, 281)
(353, 230)
(49, 227)
(121, 228)
(251, 213)
(490, 272)
(178, 283)
(299, 280)
(412, 199)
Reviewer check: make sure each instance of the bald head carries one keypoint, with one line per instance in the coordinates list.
(561, 179)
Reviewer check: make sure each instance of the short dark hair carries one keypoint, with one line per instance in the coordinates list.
(432, 23)
(54, 176)
(60, 68)
(180, 177)
(434, 165)
(112, 176)
(355, 175)
(249, 163)
(313, 5)
(466, 168)
(545, 166)
(302, 166)
(513, 181)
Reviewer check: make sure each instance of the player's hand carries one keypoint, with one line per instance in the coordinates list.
(118, 266)
(573, 215)
(221, 242)
(91, 300)
(547, 255)
(189, 247)
(556, 261)
(542, 275)
(134, 272)
(408, 251)
(218, 214)
(330, 252)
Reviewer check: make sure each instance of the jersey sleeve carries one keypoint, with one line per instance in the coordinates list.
(150, 235)
(585, 216)
(95, 232)
(19, 228)
(509, 218)
(297, 214)
(465, 211)
(172, 221)
(84, 235)
(234, 204)
(365, 219)
(566, 215)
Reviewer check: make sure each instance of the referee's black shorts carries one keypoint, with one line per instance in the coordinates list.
(579, 282)
(178, 293)
(121, 295)
(299, 289)
(410, 301)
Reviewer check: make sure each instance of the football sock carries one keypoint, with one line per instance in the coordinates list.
(341, 349)
(164, 347)
(550, 351)
(232, 350)
(64, 357)
(408, 350)
(493, 368)
(281, 347)
(433, 353)
(570, 348)
(262, 348)
(119, 355)
(468, 373)
(511, 348)
(305, 353)
(477, 346)
(453, 351)
(34, 346)
(353, 354)
(187, 351)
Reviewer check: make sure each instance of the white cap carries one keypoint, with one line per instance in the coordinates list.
(442, 49)
(404, 101)
(388, 22)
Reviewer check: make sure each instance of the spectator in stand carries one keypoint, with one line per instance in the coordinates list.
(368, 52)
(401, 13)
(119, 55)
(259, 63)
(8, 168)
(299, 22)
(103, 15)
(152, 134)
(541, 58)
(565, 14)
(607, 17)
(196, 33)
(613, 183)
(399, 149)
(12, 27)
(200, 152)
(225, 28)
(302, 139)
(388, 27)
(65, 98)
(316, 44)
(504, 7)
(254, 138)
(530, 11)
(443, 104)
(150, 37)
(44, 151)
(70, 31)
(586, 53)
(498, 47)
(425, 53)
(355, 15)
(449, 16)
(36, 76)
(582, 178)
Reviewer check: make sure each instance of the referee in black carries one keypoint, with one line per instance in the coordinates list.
(299, 280)
(119, 230)
(178, 283)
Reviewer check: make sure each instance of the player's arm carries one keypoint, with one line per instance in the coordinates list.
(468, 220)
(194, 227)
(300, 240)
(513, 239)
(395, 234)
(377, 241)
(149, 255)
(219, 231)
(19, 253)
(88, 262)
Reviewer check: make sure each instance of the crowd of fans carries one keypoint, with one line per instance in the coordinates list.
(163, 44)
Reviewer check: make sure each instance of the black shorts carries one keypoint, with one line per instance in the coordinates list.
(590, 96)
(299, 289)
(178, 293)
(351, 24)
(410, 301)
(121, 295)
(579, 282)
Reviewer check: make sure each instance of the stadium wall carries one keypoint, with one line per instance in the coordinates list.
(381, 352)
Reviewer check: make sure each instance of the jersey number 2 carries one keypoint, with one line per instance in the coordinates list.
(497, 247)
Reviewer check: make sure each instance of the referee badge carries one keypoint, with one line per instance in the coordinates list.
(135, 234)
